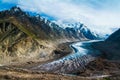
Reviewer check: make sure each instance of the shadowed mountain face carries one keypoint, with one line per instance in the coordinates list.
(111, 46)
(24, 37)
(115, 37)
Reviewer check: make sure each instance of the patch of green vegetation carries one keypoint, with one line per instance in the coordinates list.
(29, 33)
(22, 28)
(19, 26)
(107, 78)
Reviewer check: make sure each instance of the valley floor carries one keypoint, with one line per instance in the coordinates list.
(15, 73)
(93, 71)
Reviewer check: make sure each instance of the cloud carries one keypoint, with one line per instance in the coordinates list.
(96, 14)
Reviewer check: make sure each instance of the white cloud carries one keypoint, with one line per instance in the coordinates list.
(99, 15)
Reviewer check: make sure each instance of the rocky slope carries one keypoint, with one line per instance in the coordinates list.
(24, 37)
(111, 46)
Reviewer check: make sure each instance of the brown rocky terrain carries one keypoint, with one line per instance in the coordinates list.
(95, 68)
(22, 71)
(102, 66)
(93, 71)
(28, 75)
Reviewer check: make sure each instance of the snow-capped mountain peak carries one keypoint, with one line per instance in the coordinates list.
(78, 27)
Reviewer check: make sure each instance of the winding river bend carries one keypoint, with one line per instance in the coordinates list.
(83, 53)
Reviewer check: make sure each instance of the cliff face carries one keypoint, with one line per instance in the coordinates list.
(111, 46)
(24, 37)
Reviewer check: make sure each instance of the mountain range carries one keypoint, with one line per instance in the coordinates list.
(30, 44)
(24, 36)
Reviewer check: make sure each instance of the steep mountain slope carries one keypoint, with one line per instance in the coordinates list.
(111, 46)
(115, 37)
(20, 39)
(25, 37)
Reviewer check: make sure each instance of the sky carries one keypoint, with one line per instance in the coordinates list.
(102, 16)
